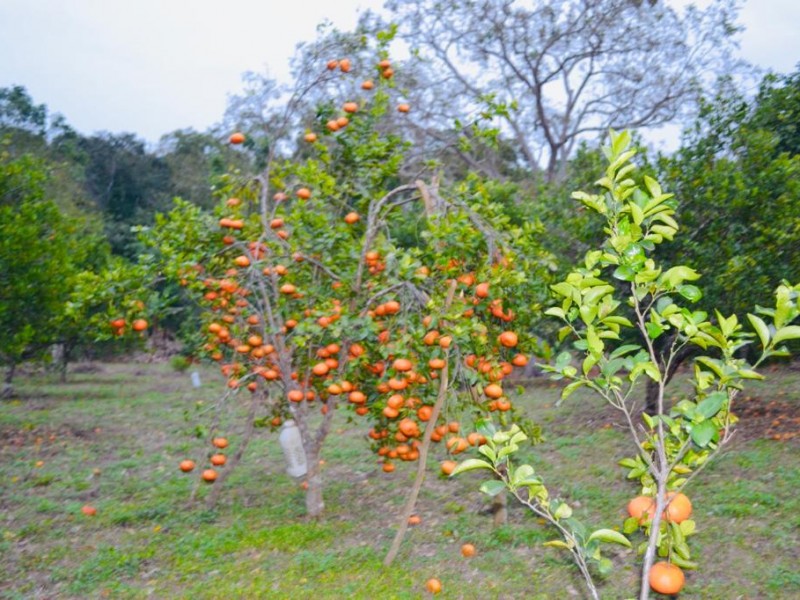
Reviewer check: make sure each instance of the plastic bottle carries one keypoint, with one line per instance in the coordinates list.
(292, 445)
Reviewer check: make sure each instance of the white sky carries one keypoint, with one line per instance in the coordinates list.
(153, 66)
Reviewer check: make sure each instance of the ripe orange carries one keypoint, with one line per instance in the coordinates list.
(388, 467)
(344, 65)
(304, 193)
(350, 107)
(387, 73)
(520, 360)
(434, 586)
(310, 137)
(679, 509)
(666, 578)
(139, 325)
(402, 364)
(295, 396)
(384, 64)
(288, 288)
(332, 125)
(351, 218)
(448, 466)
(342, 122)
(403, 108)
(237, 138)
(320, 369)
(209, 475)
(508, 339)
(468, 550)
(220, 442)
(187, 465)
(367, 85)
(218, 460)
(493, 391)
(89, 511)
(414, 520)
(482, 290)
(332, 64)
(641, 507)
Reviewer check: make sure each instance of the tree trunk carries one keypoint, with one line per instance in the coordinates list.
(8, 387)
(500, 509)
(314, 503)
(66, 352)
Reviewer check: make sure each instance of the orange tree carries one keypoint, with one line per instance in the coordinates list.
(311, 303)
(677, 442)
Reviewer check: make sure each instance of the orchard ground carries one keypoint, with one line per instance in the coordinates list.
(113, 436)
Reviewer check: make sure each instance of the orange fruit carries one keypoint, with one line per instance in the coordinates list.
(493, 391)
(304, 193)
(448, 466)
(666, 578)
(350, 107)
(387, 73)
(679, 509)
(332, 65)
(186, 465)
(295, 396)
(351, 218)
(384, 64)
(209, 475)
(402, 364)
(220, 442)
(89, 511)
(508, 339)
(388, 467)
(310, 137)
(414, 520)
(468, 550)
(367, 85)
(236, 138)
(139, 325)
(434, 586)
(482, 290)
(344, 65)
(218, 460)
(403, 108)
(641, 507)
(332, 125)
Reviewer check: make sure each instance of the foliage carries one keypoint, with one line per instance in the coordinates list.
(528, 489)
(736, 181)
(674, 444)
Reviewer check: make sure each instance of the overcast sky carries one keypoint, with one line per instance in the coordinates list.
(153, 66)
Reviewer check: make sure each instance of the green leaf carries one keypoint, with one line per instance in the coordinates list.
(687, 527)
(567, 391)
(471, 464)
(677, 275)
(610, 536)
(564, 511)
(702, 433)
(488, 452)
(761, 329)
(711, 405)
(790, 332)
(630, 525)
(624, 273)
(683, 563)
(558, 544)
(691, 292)
(654, 330)
(623, 350)
(555, 311)
(493, 487)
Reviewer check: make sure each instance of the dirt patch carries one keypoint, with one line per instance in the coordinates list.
(773, 419)
(18, 437)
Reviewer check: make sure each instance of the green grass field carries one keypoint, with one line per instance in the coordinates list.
(113, 437)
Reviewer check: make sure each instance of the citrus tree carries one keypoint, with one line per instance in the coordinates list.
(677, 442)
(326, 281)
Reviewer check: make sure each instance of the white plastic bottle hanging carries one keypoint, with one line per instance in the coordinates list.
(292, 445)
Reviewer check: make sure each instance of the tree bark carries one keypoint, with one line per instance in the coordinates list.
(315, 505)
(500, 509)
(8, 387)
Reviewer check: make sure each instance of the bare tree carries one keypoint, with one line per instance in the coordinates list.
(566, 70)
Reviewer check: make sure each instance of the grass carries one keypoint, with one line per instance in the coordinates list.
(113, 438)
